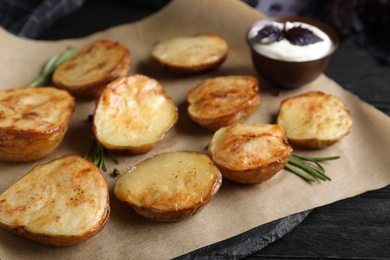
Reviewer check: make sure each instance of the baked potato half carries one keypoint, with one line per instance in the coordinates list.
(250, 153)
(88, 73)
(60, 203)
(133, 114)
(223, 100)
(169, 186)
(33, 122)
(189, 54)
(314, 119)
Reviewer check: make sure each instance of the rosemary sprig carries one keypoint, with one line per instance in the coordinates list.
(309, 168)
(45, 77)
(98, 155)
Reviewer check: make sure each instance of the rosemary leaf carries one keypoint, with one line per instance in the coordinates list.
(68, 54)
(42, 80)
(113, 156)
(98, 154)
(301, 174)
(308, 168)
(316, 159)
(311, 168)
(90, 150)
(50, 64)
(45, 77)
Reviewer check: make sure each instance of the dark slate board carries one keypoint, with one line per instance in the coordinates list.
(244, 244)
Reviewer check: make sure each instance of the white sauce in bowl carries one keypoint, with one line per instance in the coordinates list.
(284, 50)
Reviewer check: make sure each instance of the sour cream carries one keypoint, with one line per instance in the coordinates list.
(284, 50)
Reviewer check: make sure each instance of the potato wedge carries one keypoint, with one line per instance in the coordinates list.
(133, 114)
(314, 119)
(223, 100)
(250, 153)
(169, 186)
(60, 203)
(88, 73)
(189, 54)
(33, 122)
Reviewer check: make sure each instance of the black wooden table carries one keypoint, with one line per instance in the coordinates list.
(355, 228)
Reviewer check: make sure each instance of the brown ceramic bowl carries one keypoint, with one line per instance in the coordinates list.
(291, 74)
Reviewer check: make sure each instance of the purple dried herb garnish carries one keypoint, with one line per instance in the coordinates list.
(273, 33)
(301, 36)
(296, 35)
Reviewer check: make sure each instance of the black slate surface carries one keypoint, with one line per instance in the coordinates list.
(244, 244)
(355, 228)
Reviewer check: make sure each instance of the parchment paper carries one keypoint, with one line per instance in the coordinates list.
(364, 163)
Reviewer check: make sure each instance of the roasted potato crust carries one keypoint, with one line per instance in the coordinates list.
(223, 100)
(88, 73)
(189, 54)
(170, 186)
(314, 119)
(250, 153)
(133, 114)
(33, 122)
(60, 203)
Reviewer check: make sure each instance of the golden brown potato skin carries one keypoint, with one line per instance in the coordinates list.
(60, 203)
(250, 153)
(88, 73)
(223, 100)
(190, 54)
(33, 122)
(170, 186)
(133, 114)
(314, 119)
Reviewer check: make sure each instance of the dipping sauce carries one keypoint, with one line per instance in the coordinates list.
(284, 50)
